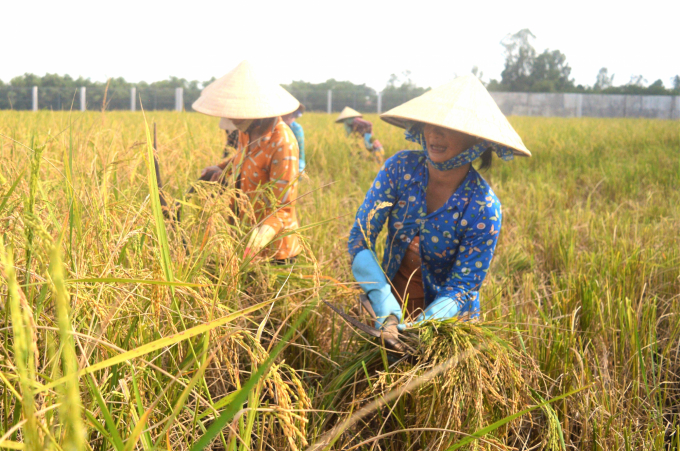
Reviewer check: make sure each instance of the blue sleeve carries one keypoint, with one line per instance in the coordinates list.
(300, 136)
(373, 212)
(474, 253)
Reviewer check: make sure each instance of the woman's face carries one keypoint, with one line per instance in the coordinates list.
(242, 124)
(444, 144)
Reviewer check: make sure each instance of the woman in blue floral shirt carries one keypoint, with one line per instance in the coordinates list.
(443, 218)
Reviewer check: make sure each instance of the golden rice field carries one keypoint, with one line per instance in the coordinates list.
(121, 330)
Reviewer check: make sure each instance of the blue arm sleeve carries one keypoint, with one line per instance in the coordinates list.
(300, 136)
(372, 280)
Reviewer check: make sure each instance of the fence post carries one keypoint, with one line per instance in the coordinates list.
(34, 98)
(380, 102)
(579, 105)
(133, 99)
(675, 107)
(329, 101)
(179, 99)
(82, 98)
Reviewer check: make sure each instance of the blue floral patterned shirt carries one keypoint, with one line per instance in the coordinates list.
(300, 136)
(457, 241)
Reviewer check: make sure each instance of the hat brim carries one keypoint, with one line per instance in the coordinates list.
(463, 105)
(347, 113)
(245, 93)
(403, 123)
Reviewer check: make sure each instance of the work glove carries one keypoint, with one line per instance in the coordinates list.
(442, 308)
(259, 238)
(372, 280)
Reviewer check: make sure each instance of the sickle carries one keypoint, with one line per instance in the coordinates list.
(390, 337)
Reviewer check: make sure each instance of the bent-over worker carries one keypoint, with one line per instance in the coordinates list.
(443, 218)
(354, 124)
(267, 153)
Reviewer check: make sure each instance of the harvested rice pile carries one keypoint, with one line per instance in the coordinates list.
(464, 378)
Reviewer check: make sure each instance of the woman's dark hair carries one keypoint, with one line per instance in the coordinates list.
(487, 159)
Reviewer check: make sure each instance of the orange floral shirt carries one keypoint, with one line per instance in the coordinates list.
(272, 159)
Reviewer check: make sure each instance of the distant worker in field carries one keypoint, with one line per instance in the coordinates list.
(231, 145)
(443, 219)
(356, 125)
(267, 153)
(298, 132)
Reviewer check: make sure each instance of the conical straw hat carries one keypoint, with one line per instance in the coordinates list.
(245, 93)
(463, 105)
(347, 113)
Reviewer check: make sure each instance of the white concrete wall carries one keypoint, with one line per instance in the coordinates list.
(587, 105)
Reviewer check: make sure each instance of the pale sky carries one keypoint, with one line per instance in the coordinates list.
(360, 41)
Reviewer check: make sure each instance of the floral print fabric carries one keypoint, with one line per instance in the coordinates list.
(272, 159)
(457, 241)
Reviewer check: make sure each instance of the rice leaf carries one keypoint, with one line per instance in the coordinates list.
(242, 395)
(159, 344)
(11, 189)
(492, 427)
(7, 444)
(155, 202)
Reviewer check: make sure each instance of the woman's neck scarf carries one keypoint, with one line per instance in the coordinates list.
(414, 133)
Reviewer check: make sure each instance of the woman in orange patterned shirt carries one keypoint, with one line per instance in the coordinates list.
(267, 154)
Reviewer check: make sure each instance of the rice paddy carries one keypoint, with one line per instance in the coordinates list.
(123, 330)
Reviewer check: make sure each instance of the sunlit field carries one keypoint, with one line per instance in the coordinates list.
(122, 328)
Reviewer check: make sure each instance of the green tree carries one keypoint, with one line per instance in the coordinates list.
(26, 81)
(519, 60)
(603, 80)
(400, 89)
(527, 71)
(657, 88)
(675, 81)
(636, 86)
(60, 92)
(477, 73)
(345, 93)
(550, 73)
(637, 80)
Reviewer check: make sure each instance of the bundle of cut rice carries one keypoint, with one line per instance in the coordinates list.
(465, 377)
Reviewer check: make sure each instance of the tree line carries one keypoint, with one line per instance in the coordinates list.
(59, 92)
(525, 70)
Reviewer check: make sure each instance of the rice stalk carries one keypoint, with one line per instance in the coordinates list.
(584, 281)
(70, 409)
(30, 204)
(25, 349)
